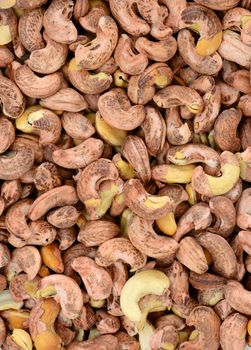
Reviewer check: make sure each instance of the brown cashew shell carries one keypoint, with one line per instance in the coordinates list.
(238, 297)
(59, 196)
(77, 126)
(120, 249)
(135, 151)
(145, 239)
(96, 279)
(232, 332)
(64, 217)
(7, 134)
(12, 99)
(94, 233)
(224, 259)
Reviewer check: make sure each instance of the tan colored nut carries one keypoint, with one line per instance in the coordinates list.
(244, 159)
(86, 319)
(4, 255)
(178, 133)
(144, 238)
(46, 177)
(229, 95)
(7, 134)
(224, 259)
(115, 107)
(77, 125)
(109, 134)
(94, 233)
(223, 309)
(66, 237)
(96, 279)
(107, 341)
(6, 57)
(90, 21)
(238, 297)
(64, 217)
(16, 318)
(179, 289)
(126, 341)
(48, 59)
(51, 257)
(233, 331)
(220, 5)
(210, 297)
(243, 216)
(11, 192)
(12, 100)
(117, 249)
(29, 141)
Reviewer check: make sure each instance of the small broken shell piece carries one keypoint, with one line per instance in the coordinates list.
(12, 99)
(145, 239)
(120, 249)
(143, 204)
(96, 279)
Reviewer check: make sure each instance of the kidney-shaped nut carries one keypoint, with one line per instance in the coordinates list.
(233, 331)
(191, 255)
(68, 100)
(65, 291)
(210, 186)
(90, 20)
(25, 259)
(48, 59)
(141, 284)
(145, 239)
(16, 217)
(243, 215)
(29, 27)
(225, 213)
(46, 177)
(238, 18)
(141, 88)
(192, 153)
(96, 279)
(124, 12)
(94, 233)
(34, 86)
(8, 26)
(238, 297)
(143, 204)
(202, 64)
(95, 53)
(79, 156)
(207, 323)
(175, 96)
(120, 249)
(207, 24)
(57, 21)
(42, 122)
(59, 196)
(114, 106)
(12, 100)
(42, 233)
(77, 125)
(63, 217)
(86, 81)
(127, 60)
(224, 259)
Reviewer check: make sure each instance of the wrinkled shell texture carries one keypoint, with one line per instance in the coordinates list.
(125, 171)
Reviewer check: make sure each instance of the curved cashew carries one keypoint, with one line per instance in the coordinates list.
(107, 323)
(114, 106)
(128, 61)
(238, 297)
(141, 88)
(210, 186)
(160, 51)
(107, 342)
(135, 151)
(224, 211)
(236, 78)
(6, 57)
(95, 53)
(57, 22)
(16, 217)
(46, 177)
(225, 129)
(48, 59)
(229, 95)
(204, 121)
(86, 82)
(12, 100)
(7, 134)
(198, 217)
(201, 64)
(143, 204)
(42, 122)
(25, 259)
(68, 100)
(29, 27)
(238, 18)
(243, 216)
(59, 196)
(141, 284)
(94, 233)
(220, 5)
(29, 141)
(170, 173)
(192, 153)
(15, 163)
(145, 239)
(90, 21)
(233, 331)
(41, 325)
(174, 13)
(207, 24)
(178, 133)
(96, 279)
(64, 217)
(224, 259)
(65, 291)
(244, 132)
(207, 323)
(179, 291)
(11, 192)
(175, 96)
(33, 86)
(117, 249)
(79, 156)
(42, 233)
(124, 13)
(191, 255)
(234, 50)
(77, 126)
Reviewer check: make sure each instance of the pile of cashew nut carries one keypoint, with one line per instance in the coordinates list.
(125, 171)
